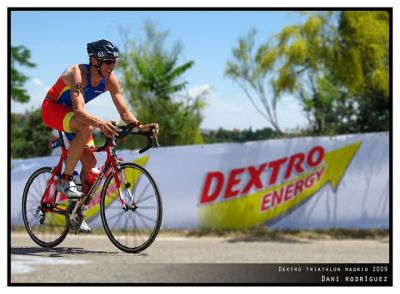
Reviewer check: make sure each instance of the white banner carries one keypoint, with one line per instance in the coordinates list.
(320, 182)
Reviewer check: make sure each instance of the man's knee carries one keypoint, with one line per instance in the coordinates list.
(77, 126)
(85, 128)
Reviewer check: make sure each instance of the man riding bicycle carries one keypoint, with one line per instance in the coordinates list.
(63, 109)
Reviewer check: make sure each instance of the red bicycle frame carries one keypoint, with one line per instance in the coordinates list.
(49, 201)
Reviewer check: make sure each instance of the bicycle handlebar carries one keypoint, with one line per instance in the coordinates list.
(131, 128)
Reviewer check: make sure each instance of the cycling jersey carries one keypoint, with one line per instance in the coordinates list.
(61, 93)
(57, 107)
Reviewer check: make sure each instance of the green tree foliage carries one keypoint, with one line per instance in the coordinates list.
(337, 64)
(151, 77)
(364, 53)
(302, 70)
(20, 56)
(31, 137)
(221, 135)
(250, 68)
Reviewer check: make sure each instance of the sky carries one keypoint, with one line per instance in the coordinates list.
(57, 40)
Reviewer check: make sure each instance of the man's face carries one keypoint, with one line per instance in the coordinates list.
(107, 66)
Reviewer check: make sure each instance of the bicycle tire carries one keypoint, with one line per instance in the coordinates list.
(120, 241)
(58, 228)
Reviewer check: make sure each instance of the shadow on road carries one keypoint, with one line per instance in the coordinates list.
(60, 251)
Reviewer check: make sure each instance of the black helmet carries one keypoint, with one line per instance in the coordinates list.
(102, 49)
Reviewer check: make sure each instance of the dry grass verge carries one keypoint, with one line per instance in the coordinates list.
(265, 233)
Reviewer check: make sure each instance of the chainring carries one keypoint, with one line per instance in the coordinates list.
(74, 224)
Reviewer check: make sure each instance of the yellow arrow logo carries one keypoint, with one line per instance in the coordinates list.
(259, 207)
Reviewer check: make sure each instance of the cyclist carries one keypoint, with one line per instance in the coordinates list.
(63, 109)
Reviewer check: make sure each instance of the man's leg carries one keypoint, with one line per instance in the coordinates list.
(82, 133)
(75, 150)
(84, 137)
(88, 161)
(61, 117)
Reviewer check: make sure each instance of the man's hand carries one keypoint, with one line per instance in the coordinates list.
(109, 128)
(148, 127)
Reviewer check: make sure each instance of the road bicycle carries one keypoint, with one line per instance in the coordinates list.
(132, 223)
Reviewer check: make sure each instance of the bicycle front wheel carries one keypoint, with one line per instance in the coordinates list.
(133, 227)
(43, 217)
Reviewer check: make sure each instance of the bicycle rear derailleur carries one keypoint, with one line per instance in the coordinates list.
(39, 214)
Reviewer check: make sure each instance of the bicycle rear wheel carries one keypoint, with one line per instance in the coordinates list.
(132, 228)
(44, 218)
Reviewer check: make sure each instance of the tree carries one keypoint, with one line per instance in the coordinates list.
(31, 137)
(20, 55)
(337, 64)
(302, 51)
(221, 135)
(26, 139)
(151, 77)
(250, 69)
(364, 54)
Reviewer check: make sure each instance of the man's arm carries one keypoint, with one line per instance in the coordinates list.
(73, 78)
(119, 101)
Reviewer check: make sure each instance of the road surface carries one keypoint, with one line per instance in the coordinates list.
(172, 259)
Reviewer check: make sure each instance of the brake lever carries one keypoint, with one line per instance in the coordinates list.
(155, 137)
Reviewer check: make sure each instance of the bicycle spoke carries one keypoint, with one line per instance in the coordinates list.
(134, 224)
(116, 208)
(32, 210)
(148, 207)
(37, 189)
(119, 216)
(145, 189)
(126, 229)
(142, 221)
(34, 202)
(145, 198)
(145, 216)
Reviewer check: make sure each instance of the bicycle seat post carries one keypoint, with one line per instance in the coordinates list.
(61, 139)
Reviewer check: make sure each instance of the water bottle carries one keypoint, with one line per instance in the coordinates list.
(90, 179)
(77, 180)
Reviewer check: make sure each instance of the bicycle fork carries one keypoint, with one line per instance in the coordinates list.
(124, 191)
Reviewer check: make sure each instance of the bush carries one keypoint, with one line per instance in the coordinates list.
(30, 137)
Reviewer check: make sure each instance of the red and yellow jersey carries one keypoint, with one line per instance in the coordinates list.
(61, 93)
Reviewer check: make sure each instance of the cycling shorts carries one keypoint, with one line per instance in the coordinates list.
(57, 116)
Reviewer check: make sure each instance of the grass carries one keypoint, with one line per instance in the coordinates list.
(264, 233)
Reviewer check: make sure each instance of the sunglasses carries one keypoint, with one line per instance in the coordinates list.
(109, 61)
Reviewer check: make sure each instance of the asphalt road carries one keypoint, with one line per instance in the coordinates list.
(94, 259)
